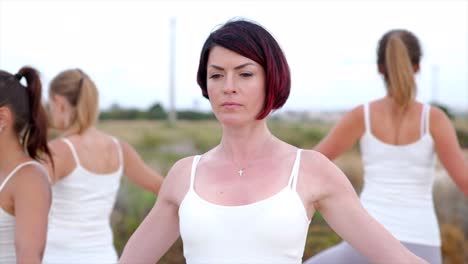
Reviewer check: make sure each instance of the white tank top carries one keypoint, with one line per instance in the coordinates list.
(79, 220)
(398, 182)
(7, 223)
(272, 230)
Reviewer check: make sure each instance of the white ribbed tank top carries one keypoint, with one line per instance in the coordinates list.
(7, 222)
(398, 181)
(79, 220)
(272, 230)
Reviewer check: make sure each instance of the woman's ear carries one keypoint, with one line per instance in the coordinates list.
(2, 121)
(416, 68)
(5, 117)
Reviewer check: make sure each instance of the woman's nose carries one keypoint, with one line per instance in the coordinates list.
(229, 85)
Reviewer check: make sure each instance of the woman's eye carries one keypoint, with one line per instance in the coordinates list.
(215, 76)
(246, 74)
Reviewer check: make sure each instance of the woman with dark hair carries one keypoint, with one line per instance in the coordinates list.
(250, 199)
(88, 166)
(399, 138)
(24, 184)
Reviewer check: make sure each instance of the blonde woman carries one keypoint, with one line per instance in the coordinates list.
(88, 168)
(24, 184)
(399, 138)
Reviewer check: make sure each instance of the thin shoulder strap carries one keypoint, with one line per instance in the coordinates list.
(428, 115)
(196, 159)
(119, 151)
(367, 117)
(17, 168)
(422, 128)
(295, 170)
(73, 151)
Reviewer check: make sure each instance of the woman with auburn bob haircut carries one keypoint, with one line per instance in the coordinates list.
(399, 138)
(88, 168)
(24, 184)
(250, 198)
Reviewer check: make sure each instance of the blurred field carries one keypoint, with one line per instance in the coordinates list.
(161, 145)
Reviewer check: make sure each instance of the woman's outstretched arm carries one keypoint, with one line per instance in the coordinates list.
(138, 171)
(342, 209)
(160, 228)
(343, 135)
(448, 148)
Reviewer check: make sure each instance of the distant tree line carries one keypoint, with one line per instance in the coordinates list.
(155, 112)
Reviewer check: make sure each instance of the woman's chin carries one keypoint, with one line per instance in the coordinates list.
(230, 120)
(235, 121)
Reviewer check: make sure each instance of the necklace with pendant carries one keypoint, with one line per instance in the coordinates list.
(242, 169)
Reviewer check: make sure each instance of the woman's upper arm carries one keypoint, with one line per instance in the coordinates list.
(160, 228)
(448, 148)
(138, 171)
(342, 209)
(32, 200)
(343, 135)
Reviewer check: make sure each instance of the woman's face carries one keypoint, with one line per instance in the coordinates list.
(235, 85)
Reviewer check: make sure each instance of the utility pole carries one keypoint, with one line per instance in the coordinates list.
(172, 107)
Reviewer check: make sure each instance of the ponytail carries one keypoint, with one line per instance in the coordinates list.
(398, 53)
(87, 104)
(35, 135)
(399, 70)
(82, 94)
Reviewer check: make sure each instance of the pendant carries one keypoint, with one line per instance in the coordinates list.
(241, 172)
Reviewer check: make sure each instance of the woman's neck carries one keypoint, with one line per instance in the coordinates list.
(392, 103)
(246, 143)
(11, 151)
(74, 132)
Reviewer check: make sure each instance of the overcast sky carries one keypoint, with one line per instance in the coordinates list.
(330, 46)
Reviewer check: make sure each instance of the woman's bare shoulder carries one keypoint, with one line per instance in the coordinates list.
(181, 167)
(32, 177)
(58, 145)
(314, 161)
(177, 182)
(316, 168)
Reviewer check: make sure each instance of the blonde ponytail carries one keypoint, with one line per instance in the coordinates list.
(398, 57)
(401, 83)
(82, 94)
(87, 105)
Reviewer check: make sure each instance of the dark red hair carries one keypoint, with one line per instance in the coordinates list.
(252, 41)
